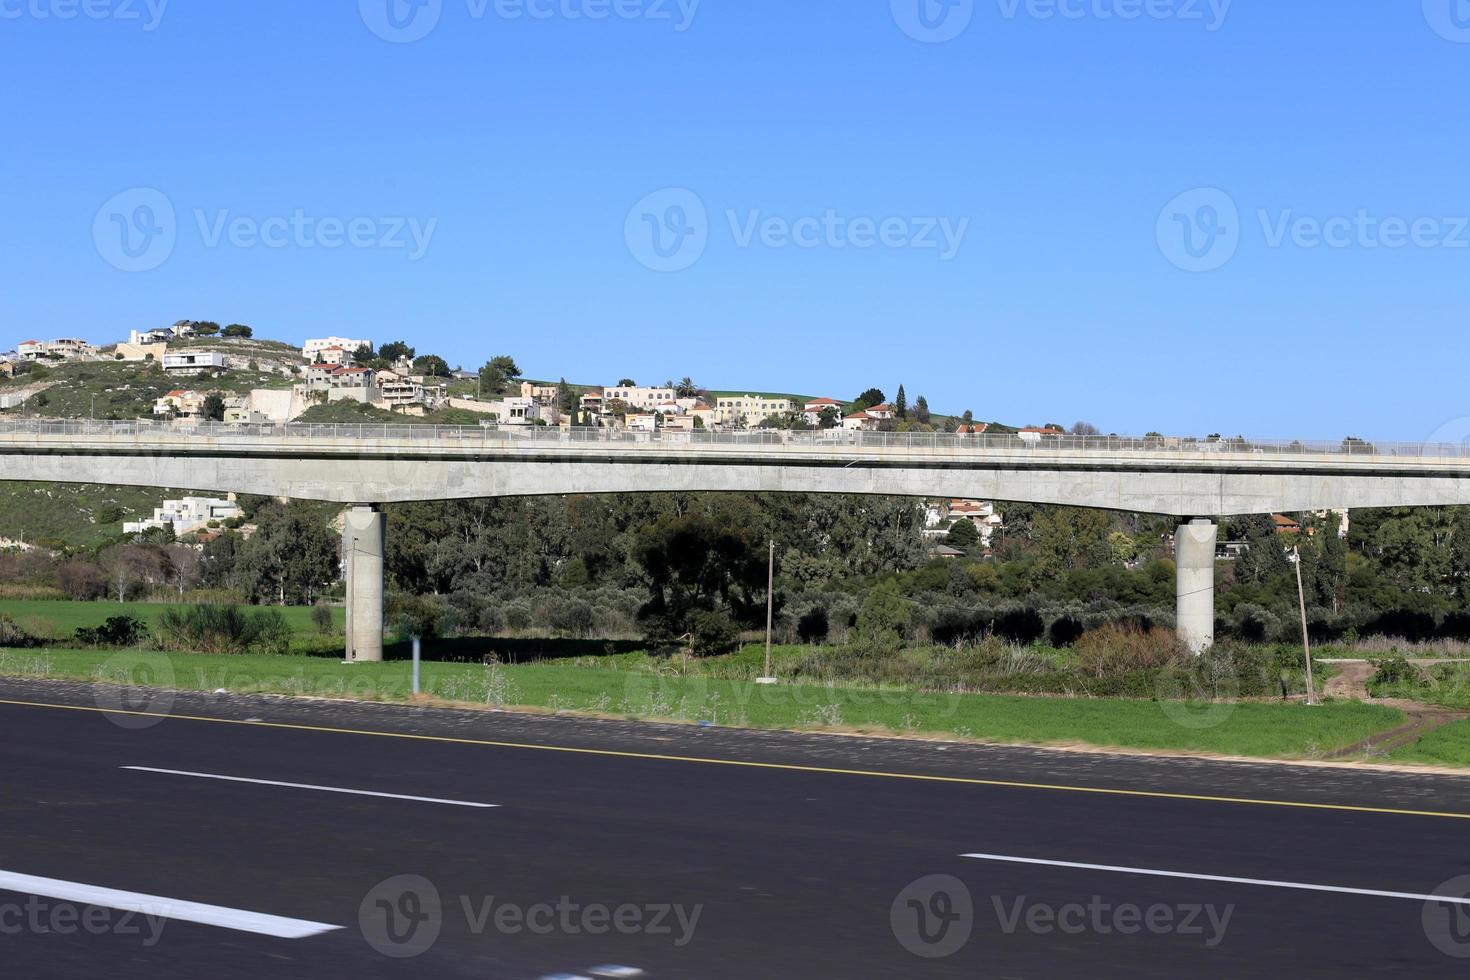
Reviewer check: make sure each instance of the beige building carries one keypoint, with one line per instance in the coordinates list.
(643, 399)
(753, 409)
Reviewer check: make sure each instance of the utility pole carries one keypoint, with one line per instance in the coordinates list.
(767, 677)
(1301, 595)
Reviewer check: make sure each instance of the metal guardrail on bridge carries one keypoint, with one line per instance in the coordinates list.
(490, 436)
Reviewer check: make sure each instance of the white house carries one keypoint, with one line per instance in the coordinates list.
(193, 362)
(188, 514)
(812, 410)
(312, 349)
(184, 404)
(861, 422)
(30, 350)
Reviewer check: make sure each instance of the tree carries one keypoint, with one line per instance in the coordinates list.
(291, 557)
(828, 418)
(869, 398)
(1084, 429)
(686, 388)
(566, 399)
(962, 534)
(395, 350)
(182, 564)
(214, 408)
(206, 329)
(364, 354)
(497, 375)
(921, 410)
(901, 404)
(238, 331)
(432, 365)
(627, 383)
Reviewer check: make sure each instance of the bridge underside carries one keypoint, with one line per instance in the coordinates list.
(1191, 489)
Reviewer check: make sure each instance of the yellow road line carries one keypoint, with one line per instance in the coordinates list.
(778, 766)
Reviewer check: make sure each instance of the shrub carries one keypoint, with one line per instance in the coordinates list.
(321, 618)
(118, 631)
(1394, 670)
(712, 633)
(1117, 648)
(224, 629)
(813, 626)
(11, 635)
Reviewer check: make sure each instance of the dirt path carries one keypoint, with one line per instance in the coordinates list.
(1351, 682)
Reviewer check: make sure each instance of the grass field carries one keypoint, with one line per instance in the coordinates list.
(1253, 729)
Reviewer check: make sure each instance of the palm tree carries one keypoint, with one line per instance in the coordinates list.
(686, 388)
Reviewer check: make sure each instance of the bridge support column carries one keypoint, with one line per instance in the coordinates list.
(362, 552)
(1194, 556)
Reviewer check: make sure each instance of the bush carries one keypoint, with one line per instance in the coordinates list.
(1395, 670)
(712, 633)
(224, 629)
(321, 618)
(14, 637)
(813, 626)
(118, 631)
(1118, 648)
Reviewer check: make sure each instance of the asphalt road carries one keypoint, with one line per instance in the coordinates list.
(608, 848)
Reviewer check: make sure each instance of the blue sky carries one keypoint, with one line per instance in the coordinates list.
(799, 163)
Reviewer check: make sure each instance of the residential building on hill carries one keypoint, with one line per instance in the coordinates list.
(188, 514)
(312, 349)
(193, 362)
(752, 409)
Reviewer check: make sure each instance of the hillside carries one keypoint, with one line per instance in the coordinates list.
(76, 515)
(119, 390)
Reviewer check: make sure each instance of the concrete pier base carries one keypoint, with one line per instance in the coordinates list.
(1194, 556)
(362, 553)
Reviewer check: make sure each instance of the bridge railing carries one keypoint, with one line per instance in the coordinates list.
(523, 436)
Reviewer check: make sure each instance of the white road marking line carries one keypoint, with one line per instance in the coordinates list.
(1300, 886)
(163, 908)
(617, 972)
(320, 789)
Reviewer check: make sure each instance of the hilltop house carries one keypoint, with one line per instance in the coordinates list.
(752, 409)
(180, 403)
(188, 514)
(313, 349)
(812, 410)
(193, 362)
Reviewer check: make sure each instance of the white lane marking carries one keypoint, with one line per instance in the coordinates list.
(163, 908)
(320, 789)
(616, 972)
(1300, 886)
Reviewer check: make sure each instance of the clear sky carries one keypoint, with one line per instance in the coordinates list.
(1183, 215)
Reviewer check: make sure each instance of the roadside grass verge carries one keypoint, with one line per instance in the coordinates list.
(1448, 745)
(1260, 729)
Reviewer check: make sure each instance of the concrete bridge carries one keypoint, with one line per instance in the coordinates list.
(369, 465)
